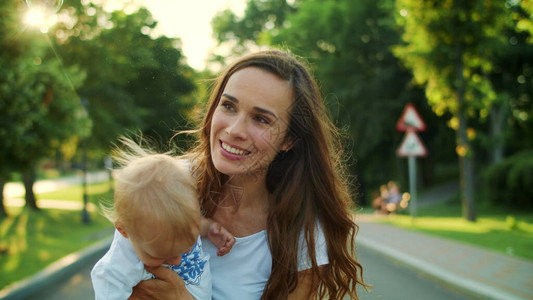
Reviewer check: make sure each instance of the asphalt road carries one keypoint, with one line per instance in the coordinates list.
(390, 280)
(77, 287)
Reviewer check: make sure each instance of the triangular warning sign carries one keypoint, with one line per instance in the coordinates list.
(410, 119)
(412, 145)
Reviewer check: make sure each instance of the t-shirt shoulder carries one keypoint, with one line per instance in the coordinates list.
(321, 250)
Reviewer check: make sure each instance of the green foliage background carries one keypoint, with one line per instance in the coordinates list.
(98, 74)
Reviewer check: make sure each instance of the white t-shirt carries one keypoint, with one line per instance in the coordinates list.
(119, 270)
(244, 271)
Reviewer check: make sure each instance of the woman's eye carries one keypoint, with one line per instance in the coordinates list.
(262, 119)
(228, 106)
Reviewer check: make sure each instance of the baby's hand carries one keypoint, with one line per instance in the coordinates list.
(220, 237)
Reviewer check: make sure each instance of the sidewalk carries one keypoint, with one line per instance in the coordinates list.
(14, 191)
(479, 273)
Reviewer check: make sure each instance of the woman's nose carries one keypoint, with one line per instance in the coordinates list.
(237, 128)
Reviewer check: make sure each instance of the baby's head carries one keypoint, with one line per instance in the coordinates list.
(155, 204)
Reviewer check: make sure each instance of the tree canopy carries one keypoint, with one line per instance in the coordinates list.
(99, 73)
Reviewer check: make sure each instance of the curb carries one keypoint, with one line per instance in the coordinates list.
(57, 271)
(471, 287)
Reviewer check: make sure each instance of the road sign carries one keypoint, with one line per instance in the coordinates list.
(412, 145)
(410, 119)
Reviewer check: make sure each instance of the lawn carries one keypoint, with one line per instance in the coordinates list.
(98, 191)
(499, 228)
(31, 240)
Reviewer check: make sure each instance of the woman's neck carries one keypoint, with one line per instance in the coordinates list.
(246, 192)
(244, 210)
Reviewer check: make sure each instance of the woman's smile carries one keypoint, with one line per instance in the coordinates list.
(233, 152)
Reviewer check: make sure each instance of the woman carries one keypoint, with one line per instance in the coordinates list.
(268, 169)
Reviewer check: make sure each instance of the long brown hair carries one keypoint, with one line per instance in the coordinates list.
(308, 185)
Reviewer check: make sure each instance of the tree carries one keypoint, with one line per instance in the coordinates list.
(61, 118)
(450, 47)
(259, 16)
(510, 126)
(39, 109)
(139, 83)
(514, 76)
(162, 91)
(9, 129)
(524, 17)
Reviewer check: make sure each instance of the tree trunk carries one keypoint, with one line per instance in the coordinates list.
(464, 149)
(466, 165)
(28, 178)
(498, 112)
(3, 212)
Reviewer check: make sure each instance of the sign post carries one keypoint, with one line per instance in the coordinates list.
(411, 146)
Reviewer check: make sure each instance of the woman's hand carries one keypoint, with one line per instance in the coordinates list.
(167, 285)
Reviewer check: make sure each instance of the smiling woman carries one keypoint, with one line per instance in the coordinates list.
(268, 169)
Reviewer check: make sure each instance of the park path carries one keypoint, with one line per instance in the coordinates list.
(14, 191)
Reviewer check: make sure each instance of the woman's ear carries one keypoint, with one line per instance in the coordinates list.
(287, 144)
(121, 229)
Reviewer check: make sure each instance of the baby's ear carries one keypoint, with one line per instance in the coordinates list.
(121, 229)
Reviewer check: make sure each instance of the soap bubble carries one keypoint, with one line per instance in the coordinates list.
(48, 6)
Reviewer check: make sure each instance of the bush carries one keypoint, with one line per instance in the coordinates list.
(510, 182)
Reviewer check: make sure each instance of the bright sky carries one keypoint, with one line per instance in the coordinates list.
(191, 21)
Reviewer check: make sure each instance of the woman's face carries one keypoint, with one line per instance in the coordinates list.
(250, 123)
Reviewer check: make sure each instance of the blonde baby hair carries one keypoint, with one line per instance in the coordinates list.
(157, 186)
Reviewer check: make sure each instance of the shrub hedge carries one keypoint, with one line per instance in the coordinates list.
(510, 182)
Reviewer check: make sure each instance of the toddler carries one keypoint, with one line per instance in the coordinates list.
(158, 222)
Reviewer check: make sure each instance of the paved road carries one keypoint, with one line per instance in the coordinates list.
(77, 287)
(390, 280)
(393, 280)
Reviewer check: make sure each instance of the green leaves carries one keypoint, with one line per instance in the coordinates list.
(439, 38)
(135, 83)
(129, 81)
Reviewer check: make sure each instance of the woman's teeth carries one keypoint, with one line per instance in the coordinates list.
(234, 150)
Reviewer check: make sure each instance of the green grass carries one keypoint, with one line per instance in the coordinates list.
(31, 240)
(75, 193)
(501, 229)
(46, 173)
